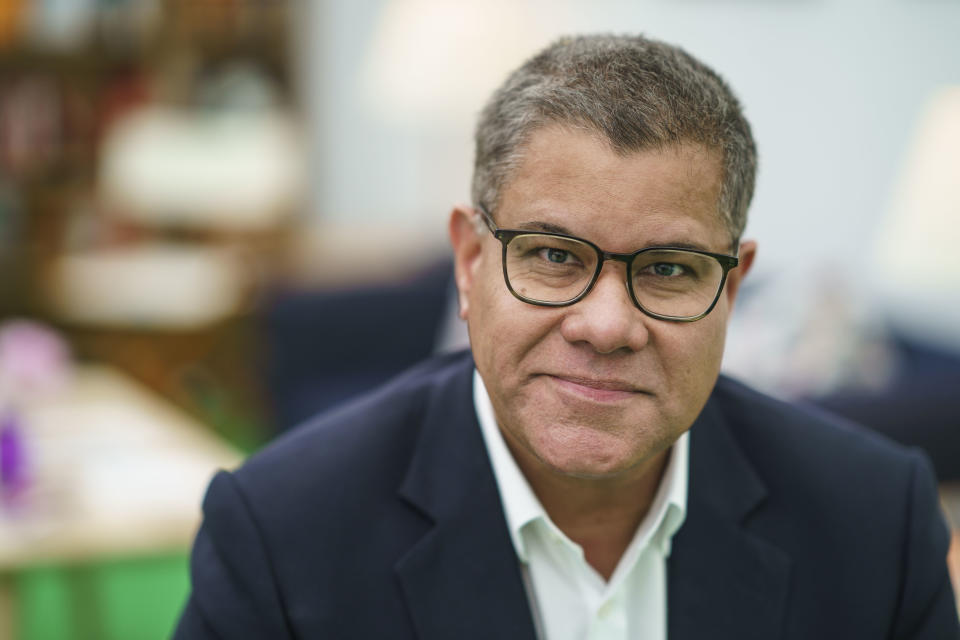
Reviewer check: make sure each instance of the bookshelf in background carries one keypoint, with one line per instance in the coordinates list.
(73, 77)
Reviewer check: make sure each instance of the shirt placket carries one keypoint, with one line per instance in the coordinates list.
(609, 620)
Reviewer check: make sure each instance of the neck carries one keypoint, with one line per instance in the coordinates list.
(599, 514)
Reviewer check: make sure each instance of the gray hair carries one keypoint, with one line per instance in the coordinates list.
(639, 93)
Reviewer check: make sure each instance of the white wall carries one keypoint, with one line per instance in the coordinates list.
(832, 87)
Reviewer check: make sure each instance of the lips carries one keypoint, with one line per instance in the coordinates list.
(599, 390)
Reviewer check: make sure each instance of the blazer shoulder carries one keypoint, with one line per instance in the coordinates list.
(368, 440)
(767, 427)
(856, 512)
(819, 464)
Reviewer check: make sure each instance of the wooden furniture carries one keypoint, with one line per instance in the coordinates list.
(115, 471)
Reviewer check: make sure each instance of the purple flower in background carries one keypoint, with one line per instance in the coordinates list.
(33, 358)
(13, 477)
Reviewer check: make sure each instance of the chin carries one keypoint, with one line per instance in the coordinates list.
(586, 455)
(591, 472)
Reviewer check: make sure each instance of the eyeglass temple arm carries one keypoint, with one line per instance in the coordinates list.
(485, 218)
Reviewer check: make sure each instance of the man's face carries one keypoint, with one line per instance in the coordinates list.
(596, 389)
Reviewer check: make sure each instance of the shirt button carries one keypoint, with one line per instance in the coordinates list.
(606, 609)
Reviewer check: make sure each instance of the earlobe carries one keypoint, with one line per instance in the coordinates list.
(466, 244)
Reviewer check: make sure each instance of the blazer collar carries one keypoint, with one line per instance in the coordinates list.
(462, 579)
(723, 580)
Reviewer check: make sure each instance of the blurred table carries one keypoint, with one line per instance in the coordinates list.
(115, 471)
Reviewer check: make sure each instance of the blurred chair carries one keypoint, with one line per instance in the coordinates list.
(919, 406)
(323, 347)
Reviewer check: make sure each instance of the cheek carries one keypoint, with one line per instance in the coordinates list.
(490, 321)
(693, 359)
(484, 304)
(506, 334)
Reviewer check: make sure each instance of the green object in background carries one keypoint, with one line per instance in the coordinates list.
(125, 599)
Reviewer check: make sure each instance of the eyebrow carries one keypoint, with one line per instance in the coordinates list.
(536, 225)
(548, 227)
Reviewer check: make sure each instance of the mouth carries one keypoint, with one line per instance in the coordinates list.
(597, 390)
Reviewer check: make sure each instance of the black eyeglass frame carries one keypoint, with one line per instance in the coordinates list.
(726, 262)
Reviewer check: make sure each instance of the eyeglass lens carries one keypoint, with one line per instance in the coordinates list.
(669, 282)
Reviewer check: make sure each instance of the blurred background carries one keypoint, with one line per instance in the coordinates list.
(220, 216)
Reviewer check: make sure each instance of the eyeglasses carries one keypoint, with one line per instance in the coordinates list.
(557, 270)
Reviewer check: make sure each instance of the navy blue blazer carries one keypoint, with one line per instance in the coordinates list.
(382, 519)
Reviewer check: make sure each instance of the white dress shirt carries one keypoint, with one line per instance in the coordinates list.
(569, 599)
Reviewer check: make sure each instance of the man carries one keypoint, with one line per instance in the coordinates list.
(585, 474)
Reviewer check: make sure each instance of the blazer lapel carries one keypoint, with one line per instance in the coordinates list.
(723, 581)
(462, 579)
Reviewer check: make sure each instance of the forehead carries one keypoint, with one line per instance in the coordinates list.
(572, 179)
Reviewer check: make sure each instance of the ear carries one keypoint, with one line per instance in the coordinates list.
(467, 245)
(748, 252)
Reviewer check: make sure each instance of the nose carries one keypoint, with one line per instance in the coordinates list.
(606, 318)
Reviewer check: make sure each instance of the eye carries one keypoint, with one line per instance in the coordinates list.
(556, 256)
(667, 269)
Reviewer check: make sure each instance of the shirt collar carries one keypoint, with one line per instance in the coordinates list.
(521, 506)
